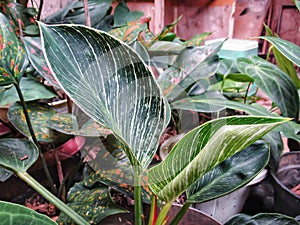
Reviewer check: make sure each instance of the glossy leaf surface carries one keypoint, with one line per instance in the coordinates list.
(273, 82)
(123, 15)
(231, 174)
(109, 81)
(31, 90)
(262, 219)
(202, 149)
(287, 48)
(39, 114)
(93, 204)
(12, 54)
(17, 154)
(11, 213)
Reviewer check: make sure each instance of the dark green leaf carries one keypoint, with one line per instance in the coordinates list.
(204, 148)
(31, 90)
(39, 115)
(123, 15)
(13, 58)
(17, 154)
(276, 84)
(231, 174)
(11, 213)
(111, 83)
(262, 219)
(93, 204)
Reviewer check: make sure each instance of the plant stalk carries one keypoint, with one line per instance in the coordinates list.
(138, 210)
(181, 213)
(153, 211)
(51, 198)
(161, 219)
(32, 134)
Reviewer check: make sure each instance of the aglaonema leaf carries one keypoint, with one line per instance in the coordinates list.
(111, 84)
(273, 82)
(11, 213)
(13, 59)
(93, 204)
(39, 113)
(231, 174)
(123, 15)
(204, 148)
(17, 154)
(33, 48)
(262, 219)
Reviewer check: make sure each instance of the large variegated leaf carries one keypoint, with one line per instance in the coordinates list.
(287, 48)
(231, 174)
(12, 54)
(261, 219)
(11, 213)
(274, 83)
(204, 148)
(111, 84)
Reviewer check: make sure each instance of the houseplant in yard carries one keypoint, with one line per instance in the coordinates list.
(104, 72)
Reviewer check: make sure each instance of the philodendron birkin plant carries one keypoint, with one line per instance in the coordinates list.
(111, 84)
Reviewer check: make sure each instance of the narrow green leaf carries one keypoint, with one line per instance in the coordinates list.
(93, 204)
(31, 90)
(165, 48)
(11, 213)
(39, 114)
(17, 154)
(288, 49)
(203, 148)
(273, 82)
(110, 82)
(262, 219)
(197, 40)
(231, 174)
(13, 58)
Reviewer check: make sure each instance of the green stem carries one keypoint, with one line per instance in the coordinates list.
(181, 213)
(163, 213)
(152, 216)
(138, 218)
(246, 94)
(52, 198)
(32, 134)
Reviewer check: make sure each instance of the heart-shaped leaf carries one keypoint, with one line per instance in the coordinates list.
(13, 58)
(261, 219)
(31, 90)
(35, 54)
(202, 149)
(93, 204)
(110, 82)
(231, 174)
(39, 113)
(11, 213)
(273, 82)
(17, 154)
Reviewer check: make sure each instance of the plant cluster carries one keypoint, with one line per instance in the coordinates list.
(132, 90)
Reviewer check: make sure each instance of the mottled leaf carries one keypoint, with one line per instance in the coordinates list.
(231, 174)
(110, 82)
(39, 115)
(273, 82)
(165, 48)
(13, 59)
(31, 90)
(68, 124)
(261, 219)
(204, 148)
(11, 213)
(197, 40)
(93, 204)
(35, 54)
(17, 154)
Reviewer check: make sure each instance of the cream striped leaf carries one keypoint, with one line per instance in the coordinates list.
(111, 84)
(204, 148)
